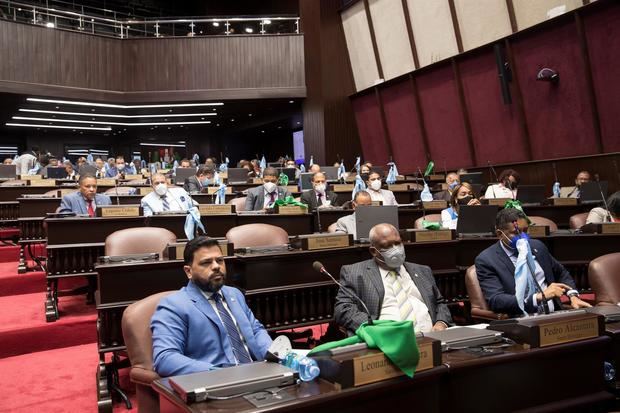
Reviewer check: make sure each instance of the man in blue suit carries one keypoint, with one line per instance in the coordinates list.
(206, 324)
(495, 268)
(86, 200)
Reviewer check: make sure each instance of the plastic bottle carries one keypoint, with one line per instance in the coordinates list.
(306, 367)
(426, 195)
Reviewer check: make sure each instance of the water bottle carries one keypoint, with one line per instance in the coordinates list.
(426, 195)
(556, 190)
(306, 367)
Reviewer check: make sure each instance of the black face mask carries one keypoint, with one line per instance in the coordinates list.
(510, 185)
(364, 177)
(464, 200)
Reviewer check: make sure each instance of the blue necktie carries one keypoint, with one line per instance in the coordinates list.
(164, 203)
(239, 350)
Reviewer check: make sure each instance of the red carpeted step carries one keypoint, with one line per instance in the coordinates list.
(9, 253)
(24, 330)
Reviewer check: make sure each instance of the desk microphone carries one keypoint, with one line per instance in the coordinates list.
(608, 213)
(318, 216)
(321, 269)
(493, 174)
(116, 191)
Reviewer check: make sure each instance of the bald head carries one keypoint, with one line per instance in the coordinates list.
(315, 168)
(384, 236)
(362, 198)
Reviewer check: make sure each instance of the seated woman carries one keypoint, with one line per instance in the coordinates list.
(599, 215)
(462, 195)
(506, 188)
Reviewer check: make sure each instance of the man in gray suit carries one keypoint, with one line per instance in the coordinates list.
(319, 196)
(346, 224)
(202, 179)
(391, 288)
(265, 196)
(86, 200)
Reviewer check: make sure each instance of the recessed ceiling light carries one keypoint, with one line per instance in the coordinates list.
(109, 105)
(216, 24)
(109, 115)
(249, 30)
(27, 125)
(249, 114)
(291, 101)
(50, 25)
(262, 131)
(217, 124)
(298, 123)
(232, 120)
(113, 123)
(266, 21)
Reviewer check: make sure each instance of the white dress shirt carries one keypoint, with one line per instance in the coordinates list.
(500, 191)
(384, 195)
(178, 200)
(389, 309)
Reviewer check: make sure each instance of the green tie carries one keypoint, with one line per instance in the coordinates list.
(404, 306)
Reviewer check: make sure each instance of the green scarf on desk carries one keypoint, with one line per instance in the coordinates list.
(290, 201)
(396, 339)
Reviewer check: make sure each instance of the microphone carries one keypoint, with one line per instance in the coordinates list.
(531, 270)
(116, 191)
(318, 217)
(493, 174)
(608, 214)
(318, 267)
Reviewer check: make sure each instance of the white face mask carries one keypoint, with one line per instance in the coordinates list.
(376, 184)
(320, 188)
(269, 186)
(120, 166)
(161, 189)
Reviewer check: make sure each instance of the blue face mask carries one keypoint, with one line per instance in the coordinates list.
(453, 185)
(206, 181)
(513, 240)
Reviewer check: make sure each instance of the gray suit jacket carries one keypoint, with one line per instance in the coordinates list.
(256, 197)
(74, 202)
(364, 279)
(347, 224)
(192, 184)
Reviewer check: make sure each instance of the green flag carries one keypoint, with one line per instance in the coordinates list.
(283, 179)
(517, 205)
(429, 168)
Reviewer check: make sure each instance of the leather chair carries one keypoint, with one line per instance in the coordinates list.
(136, 325)
(604, 276)
(239, 203)
(578, 220)
(553, 227)
(139, 241)
(429, 217)
(121, 190)
(257, 235)
(332, 228)
(480, 311)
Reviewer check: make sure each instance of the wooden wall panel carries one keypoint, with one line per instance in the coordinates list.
(359, 45)
(371, 130)
(482, 21)
(531, 12)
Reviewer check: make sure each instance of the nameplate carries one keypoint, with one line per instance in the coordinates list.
(376, 203)
(213, 189)
(568, 331)
(145, 190)
(140, 181)
(31, 177)
(106, 182)
(425, 235)
(42, 183)
(437, 204)
(500, 202)
(291, 210)
(175, 250)
(563, 201)
(323, 241)
(133, 176)
(292, 189)
(602, 228)
(373, 367)
(119, 211)
(215, 209)
(257, 180)
(436, 177)
(398, 187)
(343, 187)
(163, 171)
(537, 231)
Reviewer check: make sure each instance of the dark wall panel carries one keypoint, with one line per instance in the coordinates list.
(603, 34)
(443, 118)
(496, 132)
(403, 126)
(558, 115)
(370, 127)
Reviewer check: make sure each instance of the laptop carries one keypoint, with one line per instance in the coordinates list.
(474, 178)
(590, 191)
(331, 172)
(290, 172)
(237, 176)
(531, 194)
(56, 172)
(8, 171)
(231, 381)
(464, 337)
(367, 216)
(305, 181)
(182, 174)
(476, 220)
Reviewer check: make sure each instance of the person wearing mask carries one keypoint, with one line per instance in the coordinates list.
(118, 170)
(164, 199)
(314, 168)
(291, 164)
(264, 196)
(44, 161)
(71, 174)
(86, 200)
(27, 161)
(495, 268)
(452, 181)
(462, 195)
(600, 215)
(319, 196)
(7, 161)
(391, 288)
(575, 192)
(376, 193)
(100, 165)
(346, 223)
(203, 178)
(507, 187)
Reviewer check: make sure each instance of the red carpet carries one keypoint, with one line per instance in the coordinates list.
(9, 253)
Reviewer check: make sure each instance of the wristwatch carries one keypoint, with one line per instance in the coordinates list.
(572, 293)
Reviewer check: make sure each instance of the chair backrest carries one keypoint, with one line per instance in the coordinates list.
(257, 235)
(578, 220)
(332, 227)
(604, 276)
(553, 227)
(429, 217)
(476, 297)
(239, 203)
(140, 240)
(120, 190)
(136, 326)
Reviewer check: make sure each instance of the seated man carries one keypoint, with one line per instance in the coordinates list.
(375, 191)
(164, 199)
(452, 180)
(206, 324)
(600, 215)
(7, 161)
(204, 177)
(347, 223)
(118, 170)
(314, 168)
(86, 199)
(71, 174)
(185, 163)
(495, 267)
(265, 196)
(319, 196)
(507, 187)
(575, 191)
(391, 288)
(100, 165)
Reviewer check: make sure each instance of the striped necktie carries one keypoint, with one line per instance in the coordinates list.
(241, 354)
(404, 306)
(164, 203)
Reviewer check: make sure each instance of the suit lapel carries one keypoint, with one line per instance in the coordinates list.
(260, 198)
(372, 271)
(201, 302)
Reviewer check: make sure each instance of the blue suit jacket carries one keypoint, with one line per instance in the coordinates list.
(496, 274)
(189, 337)
(74, 202)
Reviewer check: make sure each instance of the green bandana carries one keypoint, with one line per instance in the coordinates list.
(288, 201)
(283, 179)
(516, 205)
(432, 225)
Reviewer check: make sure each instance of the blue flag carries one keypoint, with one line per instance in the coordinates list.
(220, 198)
(359, 186)
(302, 168)
(556, 190)
(192, 221)
(426, 195)
(175, 165)
(524, 283)
(341, 170)
(196, 159)
(224, 165)
(357, 164)
(392, 174)
(262, 165)
(89, 158)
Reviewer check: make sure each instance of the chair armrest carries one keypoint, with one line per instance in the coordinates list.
(487, 315)
(143, 376)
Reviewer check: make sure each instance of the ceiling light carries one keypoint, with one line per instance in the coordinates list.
(291, 101)
(216, 24)
(26, 125)
(163, 144)
(113, 123)
(266, 21)
(107, 115)
(49, 25)
(109, 105)
(249, 30)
